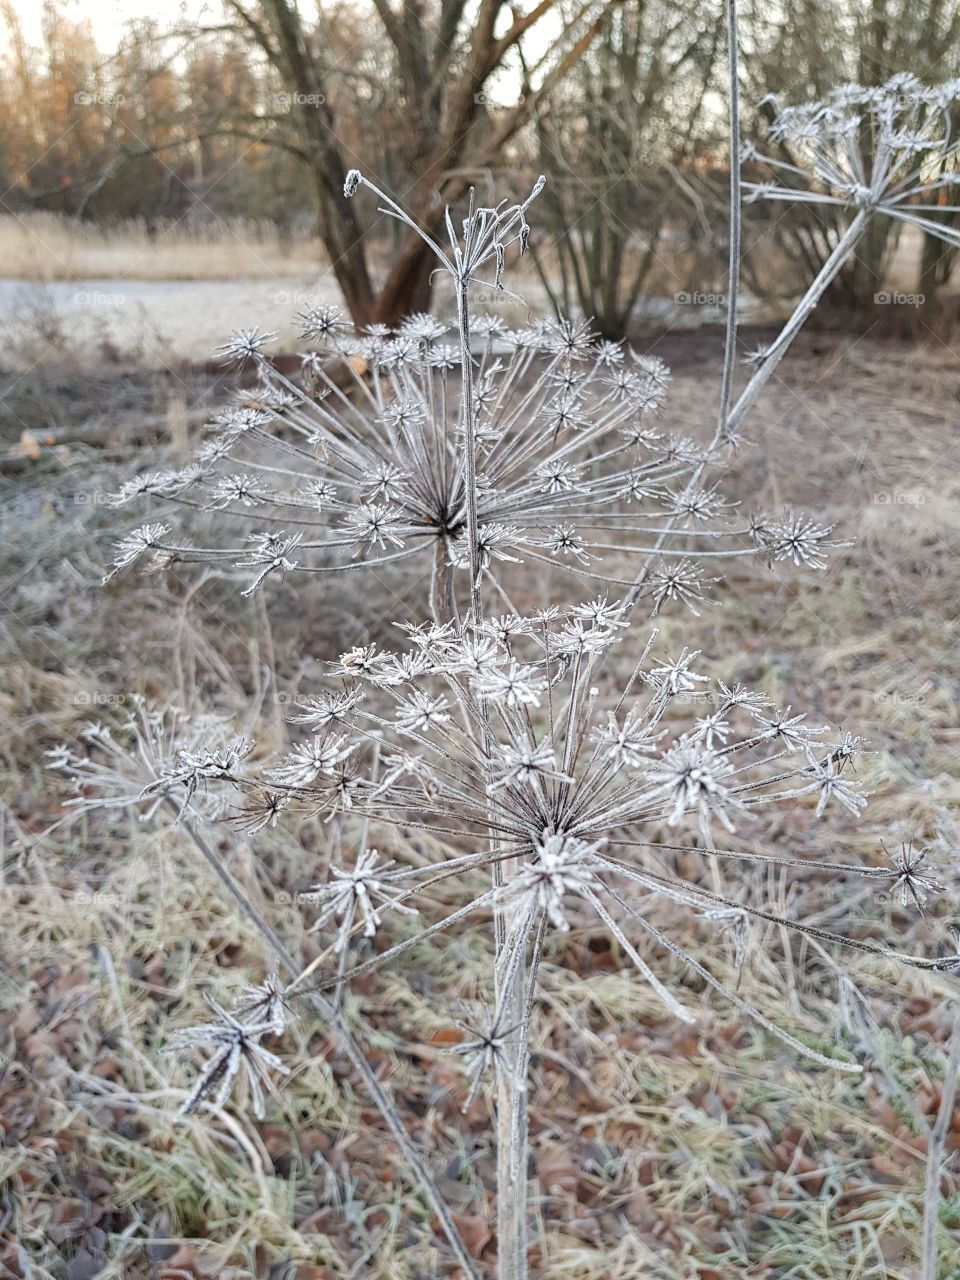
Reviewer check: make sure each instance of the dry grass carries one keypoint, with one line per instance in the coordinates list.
(46, 247)
(659, 1151)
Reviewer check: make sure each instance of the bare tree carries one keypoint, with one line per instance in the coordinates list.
(613, 150)
(442, 55)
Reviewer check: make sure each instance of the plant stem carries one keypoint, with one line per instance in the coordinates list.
(937, 1141)
(511, 1097)
(470, 483)
(443, 604)
(521, 1009)
(334, 1020)
(733, 271)
(512, 1138)
(827, 273)
(726, 420)
(470, 446)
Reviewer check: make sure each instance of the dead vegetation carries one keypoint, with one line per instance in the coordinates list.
(40, 247)
(657, 1150)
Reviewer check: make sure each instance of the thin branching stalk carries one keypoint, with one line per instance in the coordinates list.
(935, 1148)
(841, 254)
(334, 1019)
(726, 424)
(468, 426)
(736, 218)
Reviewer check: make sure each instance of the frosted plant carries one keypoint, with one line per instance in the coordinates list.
(554, 791)
(570, 796)
(887, 151)
(132, 546)
(266, 1003)
(236, 1048)
(572, 469)
(566, 794)
(483, 1052)
(512, 760)
(145, 766)
(869, 148)
(543, 441)
(914, 886)
(177, 758)
(360, 892)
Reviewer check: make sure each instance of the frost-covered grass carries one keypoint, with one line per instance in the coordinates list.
(657, 1149)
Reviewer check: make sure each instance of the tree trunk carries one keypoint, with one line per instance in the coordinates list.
(408, 285)
(338, 225)
(936, 262)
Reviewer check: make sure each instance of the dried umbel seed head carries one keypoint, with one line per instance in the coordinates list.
(913, 885)
(559, 865)
(567, 801)
(885, 149)
(359, 894)
(149, 537)
(236, 1052)
(696, 778)
(246, 344)
(265, 1004)
(368, 481)
(527, 446)
(567, 814)
(483, 1051)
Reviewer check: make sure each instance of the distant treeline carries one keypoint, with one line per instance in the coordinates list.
(260, 112)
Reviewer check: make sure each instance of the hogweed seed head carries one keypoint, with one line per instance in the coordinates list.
(236, 1049)
(914, 886)
(886, 149)
(565, 467)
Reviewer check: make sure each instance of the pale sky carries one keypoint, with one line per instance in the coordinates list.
(107, 17)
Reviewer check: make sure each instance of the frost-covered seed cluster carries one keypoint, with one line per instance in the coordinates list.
(555, 790)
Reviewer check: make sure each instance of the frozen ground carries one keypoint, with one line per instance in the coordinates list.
(185, 318)
(660, 1151)
(175, 320)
